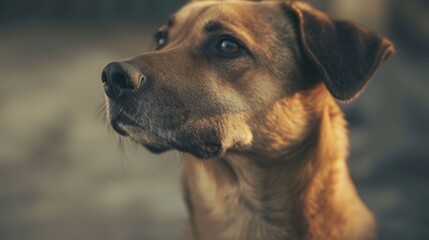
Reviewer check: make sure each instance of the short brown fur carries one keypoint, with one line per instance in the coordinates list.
(266, 117)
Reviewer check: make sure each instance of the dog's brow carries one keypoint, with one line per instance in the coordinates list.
(213, 26)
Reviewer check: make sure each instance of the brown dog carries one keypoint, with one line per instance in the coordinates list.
(251, 86)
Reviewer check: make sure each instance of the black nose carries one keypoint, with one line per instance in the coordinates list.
(120, 78)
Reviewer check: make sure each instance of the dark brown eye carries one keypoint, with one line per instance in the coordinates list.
(226, 47)
(229, 46)
(161, 39)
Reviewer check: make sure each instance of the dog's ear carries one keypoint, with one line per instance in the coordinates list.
(344, 54)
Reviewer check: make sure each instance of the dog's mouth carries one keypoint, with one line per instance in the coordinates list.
(127, 127)
(203, 151)
(118, 124)
(204, 148)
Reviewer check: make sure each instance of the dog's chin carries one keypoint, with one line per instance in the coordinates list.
(156, 148)
(202, 150)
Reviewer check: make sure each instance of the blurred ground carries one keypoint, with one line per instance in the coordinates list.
(63, 176)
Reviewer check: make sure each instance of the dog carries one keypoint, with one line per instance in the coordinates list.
(248, 91)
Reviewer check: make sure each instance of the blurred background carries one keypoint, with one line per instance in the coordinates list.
(63, 175)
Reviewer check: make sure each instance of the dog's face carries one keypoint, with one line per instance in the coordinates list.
(218, 66)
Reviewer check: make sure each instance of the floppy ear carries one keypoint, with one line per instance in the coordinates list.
(344, 54)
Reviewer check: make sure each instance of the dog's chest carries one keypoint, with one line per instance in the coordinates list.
(225, 212)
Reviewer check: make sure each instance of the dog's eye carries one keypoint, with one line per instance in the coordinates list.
(229, 46)
(161, 39)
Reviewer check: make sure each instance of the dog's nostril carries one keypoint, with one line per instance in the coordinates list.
(142, 79)
(104, 77)
(120, 80)
(104, 80)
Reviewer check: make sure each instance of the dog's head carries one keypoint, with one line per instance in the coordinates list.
(218, 68)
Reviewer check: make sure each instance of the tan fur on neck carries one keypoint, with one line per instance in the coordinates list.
(304, 192)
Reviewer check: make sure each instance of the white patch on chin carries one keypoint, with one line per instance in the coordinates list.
(239, 135)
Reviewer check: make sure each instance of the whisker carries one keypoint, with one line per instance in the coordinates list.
(101, 112)
(123, 155)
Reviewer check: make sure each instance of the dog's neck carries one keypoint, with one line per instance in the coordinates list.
(303, 192)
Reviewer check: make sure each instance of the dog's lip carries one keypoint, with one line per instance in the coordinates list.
(202, 151)
(116, 126)
(118, 122)
(156, 148)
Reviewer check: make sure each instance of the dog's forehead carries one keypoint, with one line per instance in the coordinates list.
(230, 9)
(252, 20)
(192, 9)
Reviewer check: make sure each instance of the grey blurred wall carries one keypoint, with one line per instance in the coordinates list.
(91, 11)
